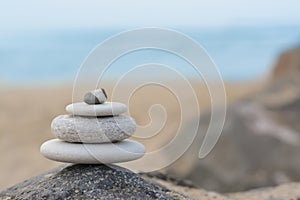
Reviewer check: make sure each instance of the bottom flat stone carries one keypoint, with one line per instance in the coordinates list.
(126, 150)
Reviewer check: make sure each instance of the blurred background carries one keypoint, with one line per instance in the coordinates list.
(255, 46)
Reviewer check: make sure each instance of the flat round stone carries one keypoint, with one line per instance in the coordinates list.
(92, 129)
(105, 109)
(62, 151)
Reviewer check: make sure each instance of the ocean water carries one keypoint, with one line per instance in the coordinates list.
(54, 56)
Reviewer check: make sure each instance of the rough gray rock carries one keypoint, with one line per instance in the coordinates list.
(112, 182)
(95, 97)
(89, 182)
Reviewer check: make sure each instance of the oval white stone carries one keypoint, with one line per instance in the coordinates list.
(61, 151)
(105, 109)
(92, 129)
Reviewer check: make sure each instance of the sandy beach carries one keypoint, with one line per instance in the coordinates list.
(26, 114)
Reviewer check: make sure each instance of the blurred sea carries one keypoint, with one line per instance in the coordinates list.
(54, 56)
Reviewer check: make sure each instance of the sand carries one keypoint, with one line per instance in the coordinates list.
(26, 114)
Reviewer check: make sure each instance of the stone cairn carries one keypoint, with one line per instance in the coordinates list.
(94, 132)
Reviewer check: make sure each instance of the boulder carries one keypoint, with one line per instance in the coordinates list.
(113, 182)
(89, 182)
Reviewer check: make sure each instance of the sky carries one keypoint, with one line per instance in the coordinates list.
(51, 14)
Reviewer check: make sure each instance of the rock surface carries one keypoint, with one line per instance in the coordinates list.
(61, 151)
(93, 130)
(113, 182)
(105, 109)
(288, 191)
(89, 182)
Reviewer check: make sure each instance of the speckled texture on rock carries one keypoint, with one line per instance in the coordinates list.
(89, 182)
(93, 130)
(113, 182)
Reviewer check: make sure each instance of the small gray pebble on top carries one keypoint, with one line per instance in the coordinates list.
(95, 97)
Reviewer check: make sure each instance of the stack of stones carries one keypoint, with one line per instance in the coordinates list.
(95, 131)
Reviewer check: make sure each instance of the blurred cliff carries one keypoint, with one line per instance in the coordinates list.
(260, 143)
(288, 64)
